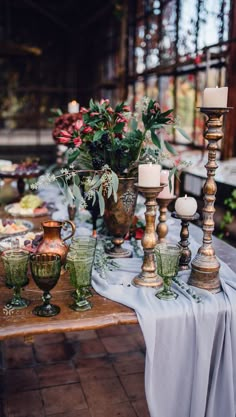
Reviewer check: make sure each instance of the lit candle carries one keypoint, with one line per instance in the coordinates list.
(166, 193)
(215, 97)
(149, 175)
(73, 106)
(186, 206)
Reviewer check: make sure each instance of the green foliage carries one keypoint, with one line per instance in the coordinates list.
(229, 214)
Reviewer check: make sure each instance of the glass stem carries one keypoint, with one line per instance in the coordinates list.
(46, 298)
(16, 294)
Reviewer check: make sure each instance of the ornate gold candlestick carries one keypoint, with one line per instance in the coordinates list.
(162, 228)
(205, 266)
(186, 254)
(148, 277)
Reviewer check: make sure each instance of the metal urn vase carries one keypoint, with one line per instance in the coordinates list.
(118, 216)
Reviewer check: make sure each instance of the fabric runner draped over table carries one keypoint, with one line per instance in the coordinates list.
(190, 368)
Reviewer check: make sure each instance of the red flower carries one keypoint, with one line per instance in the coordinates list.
(110, 110)
(157, 106)
(94, 113)
(66, 134)
(102, 101)
(87, 129)
(83, 110)
(64, 140)
(78, 124)
(77, 141)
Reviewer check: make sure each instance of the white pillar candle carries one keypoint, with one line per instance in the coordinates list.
(149, 175)
(73, 106)
(186, 206)
(215, 97)
(166, 192)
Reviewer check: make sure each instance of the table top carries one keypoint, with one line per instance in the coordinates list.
(104, 312)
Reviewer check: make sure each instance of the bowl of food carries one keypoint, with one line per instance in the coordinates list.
(10, 227)
(29, 206)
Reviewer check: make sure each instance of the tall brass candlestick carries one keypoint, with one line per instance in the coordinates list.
(148, 277)
(162, 228)
(205, 266)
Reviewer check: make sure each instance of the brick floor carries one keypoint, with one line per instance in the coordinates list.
(78, 374)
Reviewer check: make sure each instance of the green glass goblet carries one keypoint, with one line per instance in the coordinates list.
(167, 256)
(80, 269)
(15, 262)
(45, 270)
(81, 246)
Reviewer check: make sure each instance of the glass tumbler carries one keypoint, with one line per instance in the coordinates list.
(15, 262)
(167, 256)
(45, 270)
(81, 246)
(80, 268)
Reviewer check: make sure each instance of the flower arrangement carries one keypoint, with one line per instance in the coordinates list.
(110, 142)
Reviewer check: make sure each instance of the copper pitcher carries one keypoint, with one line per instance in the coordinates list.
(52, 241)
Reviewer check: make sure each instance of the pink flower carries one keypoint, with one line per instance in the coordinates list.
(78, 124)
(77, 141)
(157, 106)
(66, 134)
(64, 140)
(110, 110)
(152, 111)
(106, 101)
(87, 129)
(83, 110)
(126, 108)
(94, 113)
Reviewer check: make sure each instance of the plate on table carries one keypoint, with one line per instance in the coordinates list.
(11, 227)
(16, 210)
(28, 241)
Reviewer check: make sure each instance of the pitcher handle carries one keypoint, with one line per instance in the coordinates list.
(72, 231)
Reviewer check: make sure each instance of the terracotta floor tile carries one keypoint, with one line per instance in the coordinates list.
(19, 356)
(123, 409)
(48, 339)
(129, 363)
(24, 404)
(102, 392)
(134, 386)
(63, 399)
(123, 343)
(90, 348)
(95, 368)
(53, 353)
(16, 380)
(81, 413)
(57, 374)
(141, 408)
(78, 336)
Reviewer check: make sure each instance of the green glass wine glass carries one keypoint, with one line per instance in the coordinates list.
(167, 256)
(45, 270)
(15, 262)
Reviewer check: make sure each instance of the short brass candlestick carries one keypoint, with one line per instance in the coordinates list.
(186, 254)
(148, 277)
(162, 228)
(205, 265)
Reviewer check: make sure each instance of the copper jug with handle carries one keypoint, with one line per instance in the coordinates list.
(52, 241)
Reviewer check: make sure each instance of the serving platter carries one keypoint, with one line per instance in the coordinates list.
(29, 241)
(16, 210)
(12, 227)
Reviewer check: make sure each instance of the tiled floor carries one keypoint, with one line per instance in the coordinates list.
(83, 374)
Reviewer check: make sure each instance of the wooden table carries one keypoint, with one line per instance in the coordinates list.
(104, 312)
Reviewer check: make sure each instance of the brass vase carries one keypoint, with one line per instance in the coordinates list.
(118, 216)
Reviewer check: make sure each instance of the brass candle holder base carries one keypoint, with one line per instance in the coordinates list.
(205, 266)
(162, 228)
(186, 254)
(148, 277)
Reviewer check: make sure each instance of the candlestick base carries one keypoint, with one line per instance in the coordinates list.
(186, 254)
(148, 277)
(205, 272)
